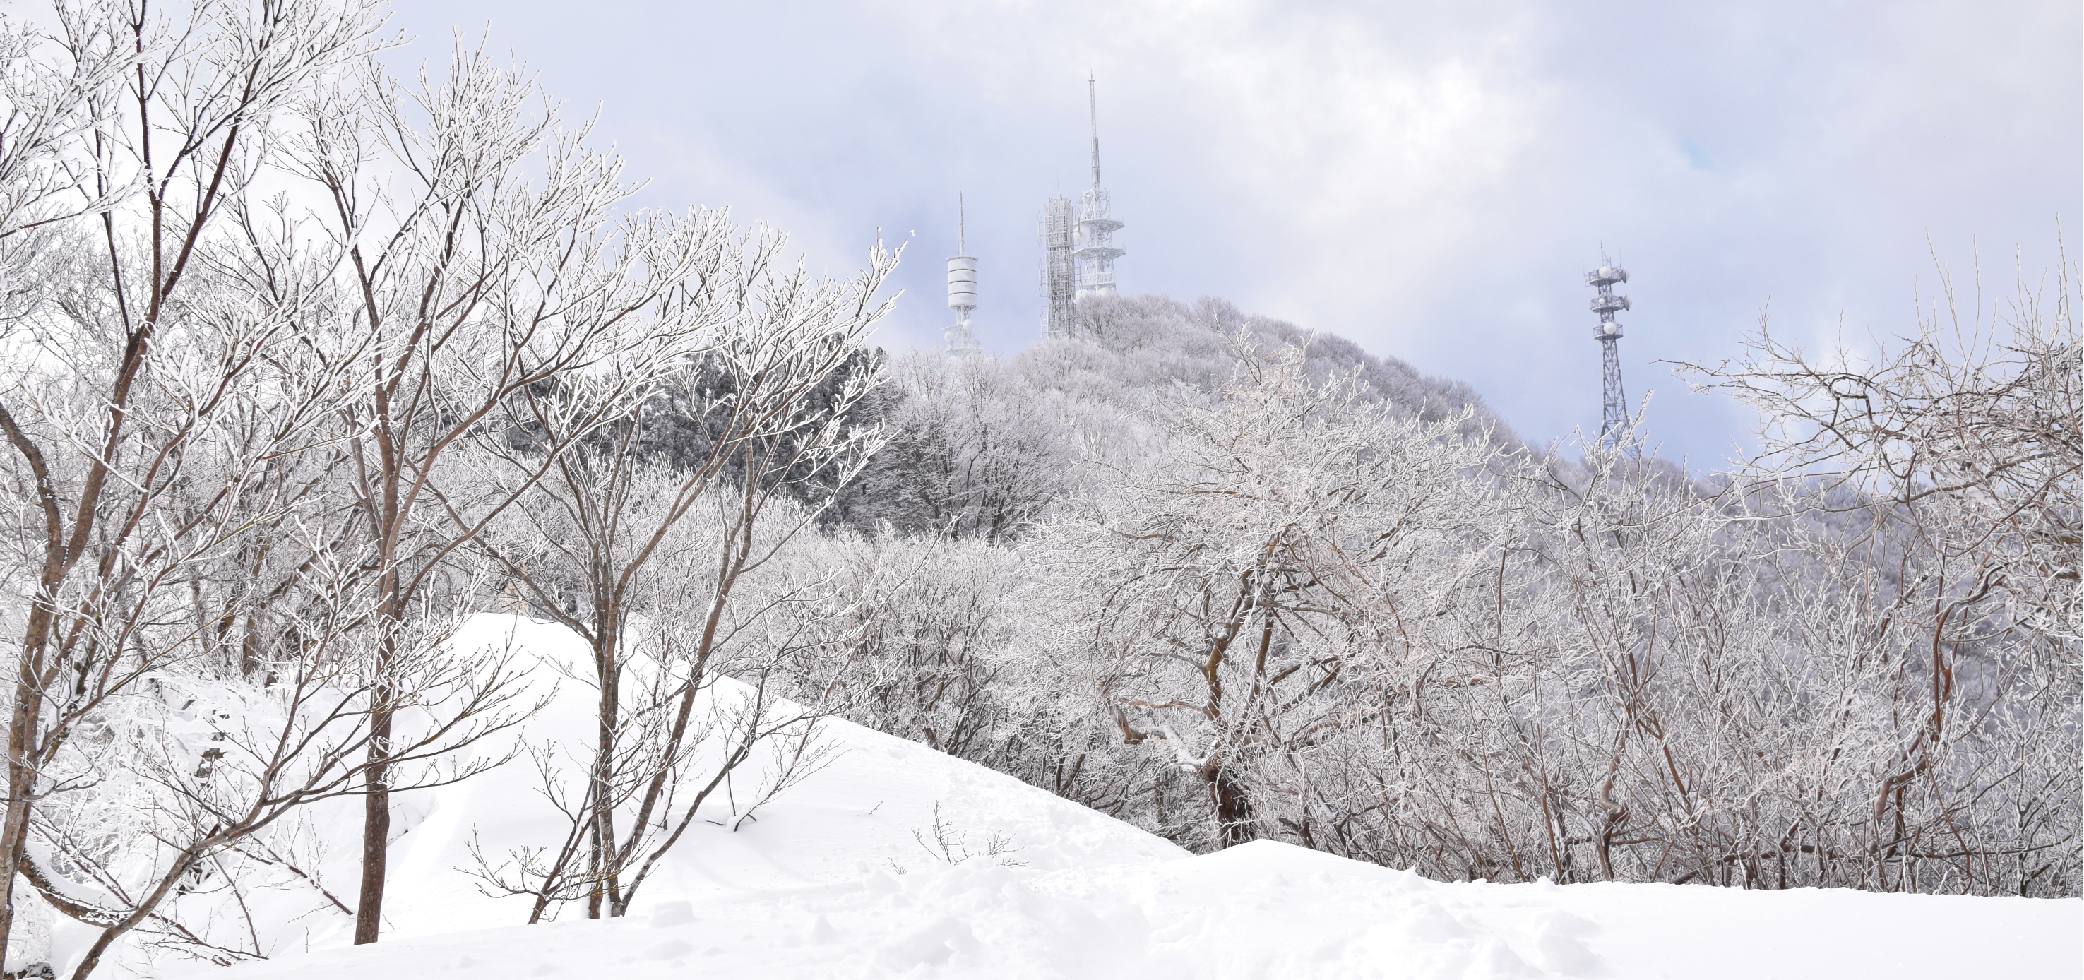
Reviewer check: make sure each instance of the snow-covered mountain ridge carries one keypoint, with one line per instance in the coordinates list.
(896, 860)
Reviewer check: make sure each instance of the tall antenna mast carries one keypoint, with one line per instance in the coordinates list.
(1613, 416)
(1092, 105)
(1095, 253)
(962, 289)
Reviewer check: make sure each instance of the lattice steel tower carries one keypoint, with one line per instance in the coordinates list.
(962, 291)
(1095, 253)
(1058, 282)
(1613, 421)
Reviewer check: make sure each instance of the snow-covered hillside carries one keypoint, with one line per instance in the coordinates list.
(847, 875)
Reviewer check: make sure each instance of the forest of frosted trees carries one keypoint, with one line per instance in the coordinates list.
(306, 363)
(1262, 585)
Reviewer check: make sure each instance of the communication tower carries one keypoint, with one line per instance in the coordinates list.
(1613, 421)
(1059, 285)
(962, 291)
(1095, 253)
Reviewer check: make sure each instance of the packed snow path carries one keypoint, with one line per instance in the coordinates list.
(837, 879)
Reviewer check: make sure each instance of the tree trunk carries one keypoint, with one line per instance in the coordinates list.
(376, 829)
(21, 767)
(1233, 807)
(376, 806)
(604, 891)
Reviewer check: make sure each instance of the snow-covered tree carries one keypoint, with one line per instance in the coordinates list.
(144, 407)
(622, 525)
(1251, 596)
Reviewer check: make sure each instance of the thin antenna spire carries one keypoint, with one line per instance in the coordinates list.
(961, 228)
(1092, 98)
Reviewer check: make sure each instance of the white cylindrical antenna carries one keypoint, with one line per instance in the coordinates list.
(962, 283)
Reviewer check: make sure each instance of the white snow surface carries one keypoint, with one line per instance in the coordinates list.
(812, 887)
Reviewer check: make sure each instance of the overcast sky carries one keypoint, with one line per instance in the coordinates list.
(1429, 179)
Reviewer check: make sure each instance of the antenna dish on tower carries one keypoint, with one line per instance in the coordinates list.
(1613, 414)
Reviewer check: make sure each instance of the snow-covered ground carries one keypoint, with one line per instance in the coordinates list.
(836, 879)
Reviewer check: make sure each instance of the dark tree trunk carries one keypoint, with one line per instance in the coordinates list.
(376, 831)
(1233, 807)
(376, 806)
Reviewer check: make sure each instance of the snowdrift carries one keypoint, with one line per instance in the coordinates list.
(898, 861)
